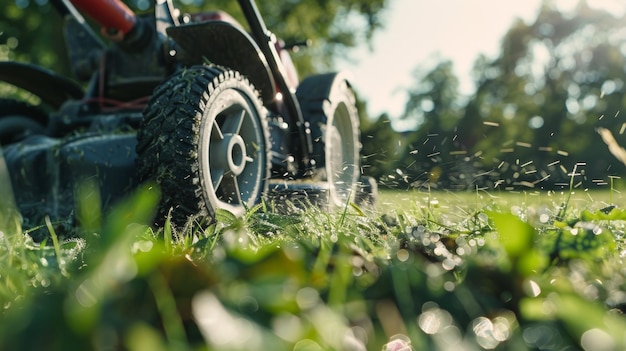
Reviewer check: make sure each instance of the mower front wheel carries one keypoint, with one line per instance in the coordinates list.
(204, 140)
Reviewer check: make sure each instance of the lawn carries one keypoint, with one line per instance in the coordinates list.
(436, 270)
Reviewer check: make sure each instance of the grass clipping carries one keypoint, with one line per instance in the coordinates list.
(617, 151)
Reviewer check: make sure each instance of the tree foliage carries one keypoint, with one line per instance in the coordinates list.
(31, 32)
(533, 117)
(379, 147)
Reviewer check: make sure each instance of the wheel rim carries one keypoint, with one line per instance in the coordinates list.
(342, 155)
(232, 153)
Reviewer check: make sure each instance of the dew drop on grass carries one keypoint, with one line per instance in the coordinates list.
(306, 298)
(501, 328)
(483, 329)
(483, 217)
(531, 288)
(541, 337)
(357, 261)
(287, 326)
(429, 322)
(142, 245)
(435, 237)
(591, 292)
(403, 255)
(597, 340)
(440, 250)
(448, 264)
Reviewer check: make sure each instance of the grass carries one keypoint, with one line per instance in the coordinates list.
(441, 271)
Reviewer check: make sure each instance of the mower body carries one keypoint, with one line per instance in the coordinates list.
(92, 135)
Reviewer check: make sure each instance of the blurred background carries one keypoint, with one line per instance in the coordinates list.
(453, 95)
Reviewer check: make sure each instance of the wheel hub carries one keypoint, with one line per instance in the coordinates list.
(235, 153)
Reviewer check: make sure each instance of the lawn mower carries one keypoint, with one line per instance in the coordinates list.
(212, 113)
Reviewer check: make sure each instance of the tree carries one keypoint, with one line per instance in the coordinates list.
(537, 105)
(31, 32)
(380, 148)
(433, 102)
(432, 150)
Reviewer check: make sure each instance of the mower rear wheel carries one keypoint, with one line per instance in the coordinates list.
(328, 105)
(19, 119)
(204, 140)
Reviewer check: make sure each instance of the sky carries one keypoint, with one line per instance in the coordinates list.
(420, 33)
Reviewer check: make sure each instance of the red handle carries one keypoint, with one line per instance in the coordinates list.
(110, 14)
